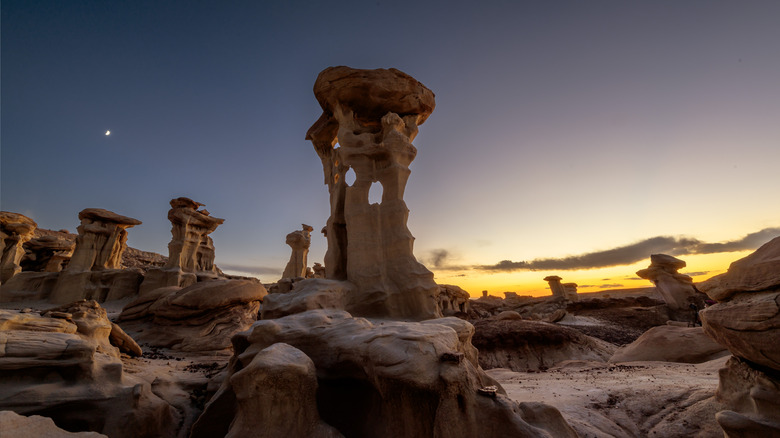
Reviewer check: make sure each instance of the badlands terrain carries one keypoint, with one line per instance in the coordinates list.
(98, 339)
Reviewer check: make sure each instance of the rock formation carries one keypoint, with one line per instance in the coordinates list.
(94, 269)
(299, 241)
(570, 291)
(373, 115)
(555, 286)
(676, 289)
(15, 230)
(47, 254)
(199, 318)
(62, 365)
(670, 343)
(388, 379)
(507, 341)
(452, 299)
(746, 320)
(191, 250)
(319, 270)
(35, 426)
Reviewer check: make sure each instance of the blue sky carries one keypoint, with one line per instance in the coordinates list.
(561, 128)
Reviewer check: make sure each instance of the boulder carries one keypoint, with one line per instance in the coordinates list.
(522, 345)
(758, 271)
(385, 379)
(201, 317)
(669, 343)
(752, 397)
(309, 294)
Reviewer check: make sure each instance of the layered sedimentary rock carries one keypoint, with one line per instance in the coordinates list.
(198, 318)
(570, 291)
(385, 379)
(676, 289)
(373, 115)
(746, 319)
(555, 286)
(191, 249)
(299, 241)
(35, 426)
(94, 271)
(671, 343)
(452, 299)
(62, 365)
(47, 254)
(510, 342)
(15, 230)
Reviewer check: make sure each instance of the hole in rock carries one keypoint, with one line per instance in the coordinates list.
(375, 193)
(350, 177)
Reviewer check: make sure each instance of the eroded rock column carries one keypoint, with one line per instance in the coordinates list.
(94, 271)
(299, 241)
(373, 116)
(676, 289)
(555, 286)
(15, 230)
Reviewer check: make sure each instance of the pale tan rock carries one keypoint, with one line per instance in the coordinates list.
(67, 368)
(373, 115)
(14, 425)
(676, 289)
(555, 286)
(310, 294)
(671, 344)
(15, 230)
(275, 392)
(47, 253)
(570, 291)
(191, 249)
(388, 379)
(452, 299)
(756, 272)
(319, 270)
(753, 401)
(28, 286)
(522, 345)
(748, 324)
(198, 318)
(299, 241)
(94, 269)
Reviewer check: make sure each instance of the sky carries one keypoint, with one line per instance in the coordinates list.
(570, 138)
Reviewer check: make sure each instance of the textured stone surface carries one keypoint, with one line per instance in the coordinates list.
(555, 286)
(670, 343)
(520, 345)
(201, 317)
(756, 272)
(14, 425)
(15, 230)
(373, 115)
(47, 253)
(388, 379)
(452, 299)
(310, 294)
(753, 400)
(62, 365)
(277, 392)
(676, 289)
(299, 241)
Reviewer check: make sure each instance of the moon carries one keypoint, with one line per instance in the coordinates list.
(108, 132)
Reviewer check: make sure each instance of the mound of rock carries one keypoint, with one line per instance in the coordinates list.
(374, 379)
(201, 317)
(62, 365)
(669, 343)
(746, 319)
(35, 426)
(522, 345)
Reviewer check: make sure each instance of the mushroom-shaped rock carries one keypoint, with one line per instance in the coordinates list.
(299, 242)
(676, 289)
(555, 286)
(102, 240)
(370, 94)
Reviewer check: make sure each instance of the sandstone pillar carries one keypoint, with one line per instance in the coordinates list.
(676, 289)
(373, 116)
(299, 241)
(48, 253)
(555, 286)
(15, 230)
(570, 291)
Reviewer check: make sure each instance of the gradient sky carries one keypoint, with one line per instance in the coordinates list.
(562, 128)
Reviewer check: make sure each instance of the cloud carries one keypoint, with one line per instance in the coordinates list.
(696, 274)
(255, 270)
(609, 286)
(438, 257)
(635, 252)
